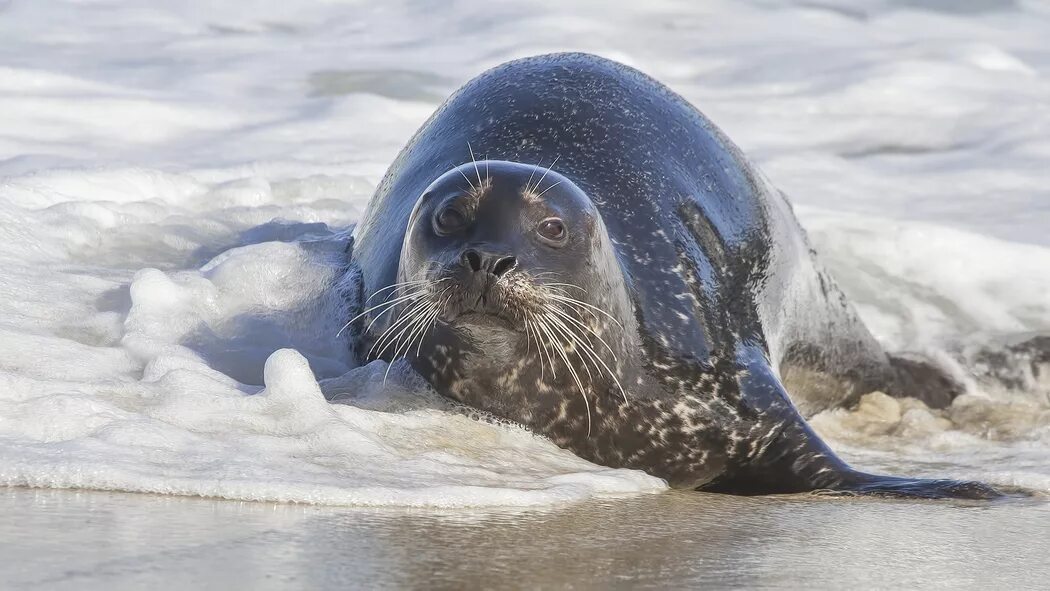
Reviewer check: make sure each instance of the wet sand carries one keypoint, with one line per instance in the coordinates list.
(56, 539)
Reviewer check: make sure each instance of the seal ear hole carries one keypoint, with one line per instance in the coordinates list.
(552, 231)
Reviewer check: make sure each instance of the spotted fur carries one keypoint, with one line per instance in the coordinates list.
(706, 286)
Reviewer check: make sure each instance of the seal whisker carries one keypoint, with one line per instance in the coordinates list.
(413, 327)
(568, 364)
(541, 351)
(543, 347)
(580, 324)
(393, 302)
(472, 187)
(574, 340)
(594, 354)
(396, 341)
(393, 307)
(529, 328)
(472, 159)
(565, 285)
(433, 319)
(403, 321)
(559, 290)
(389, 304)
(397, 285)
(406, 316)
(579, 310)
(575, 302)
(386, 338)
(528, 337)
(419, 323)
(547, 189)
(528, 182)
(539, 182)
(427, 322)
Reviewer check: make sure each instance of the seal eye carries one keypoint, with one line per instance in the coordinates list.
(552, 230)
(449, 219)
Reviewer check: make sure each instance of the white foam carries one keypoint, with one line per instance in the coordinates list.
(919, 284)
(186, 429)
(173, 180)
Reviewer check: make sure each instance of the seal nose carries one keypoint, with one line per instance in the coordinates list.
(501, 265)
(471, 260)
(496, 264)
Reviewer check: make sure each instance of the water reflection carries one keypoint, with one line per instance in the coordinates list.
(62, 539)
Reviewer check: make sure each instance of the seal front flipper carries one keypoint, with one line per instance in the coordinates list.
(783, 455)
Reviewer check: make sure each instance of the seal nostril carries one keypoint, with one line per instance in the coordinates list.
(503, 265)
(471, 260)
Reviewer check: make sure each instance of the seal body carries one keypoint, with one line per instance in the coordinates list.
(568, 244)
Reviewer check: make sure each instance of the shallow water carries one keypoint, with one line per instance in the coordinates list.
(681, 540)
(176, 184)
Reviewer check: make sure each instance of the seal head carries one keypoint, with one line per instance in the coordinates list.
(514, 266)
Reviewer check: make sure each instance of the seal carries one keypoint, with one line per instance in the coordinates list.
(568, 244)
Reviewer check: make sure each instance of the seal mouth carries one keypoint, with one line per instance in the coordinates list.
(485, 302)
(483, 319)
(482, 299)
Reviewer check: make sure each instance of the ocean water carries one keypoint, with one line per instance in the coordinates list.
(177, 182)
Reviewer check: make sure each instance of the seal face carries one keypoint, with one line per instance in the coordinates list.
(518, 274)
(644, 299)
